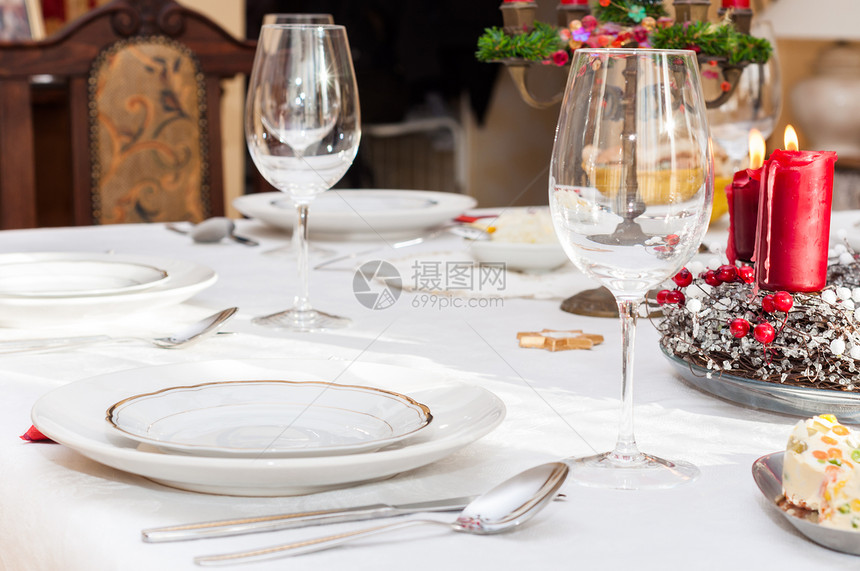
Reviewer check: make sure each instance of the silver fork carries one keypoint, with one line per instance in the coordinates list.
(182, 338)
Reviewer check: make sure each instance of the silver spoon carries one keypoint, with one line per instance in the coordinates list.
(182, 338)
(506, 506)
(213, 230)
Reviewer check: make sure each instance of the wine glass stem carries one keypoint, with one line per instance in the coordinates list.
(625, 447)
(300, 236)
(736, 164)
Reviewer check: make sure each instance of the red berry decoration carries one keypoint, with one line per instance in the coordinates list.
(683, 278)
(662, 295)
(783, 301)
(767, 303)
(739, 327)
(727, 273)
(712, 279)
(676, 296)
(764, 333)
(672, 240)
(746, 274)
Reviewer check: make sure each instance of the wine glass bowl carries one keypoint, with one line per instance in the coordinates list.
(298, 18)
(630, 189)
(302, 127)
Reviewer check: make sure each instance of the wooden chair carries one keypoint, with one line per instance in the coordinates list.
(144, 99)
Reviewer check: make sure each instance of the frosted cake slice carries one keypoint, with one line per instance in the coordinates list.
(821, 471)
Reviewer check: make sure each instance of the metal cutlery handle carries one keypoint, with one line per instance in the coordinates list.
(229, 527)
(239, 526)
(394, 245)
(244, 240)
(306, 546)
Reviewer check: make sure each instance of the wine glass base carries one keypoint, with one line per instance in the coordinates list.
(310, 320)
(636, 472)
(288, 251)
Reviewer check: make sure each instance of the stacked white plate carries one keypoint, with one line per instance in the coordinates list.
(47, 287)
(267, 427)
(360, 214)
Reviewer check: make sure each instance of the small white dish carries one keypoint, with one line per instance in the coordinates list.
(63, 277)
(269, 418)
(73, 414)
(522, 238)
(185, 280)
(519, 256)
(360, 214)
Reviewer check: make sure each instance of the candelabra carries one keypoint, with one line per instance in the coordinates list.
(519, 18)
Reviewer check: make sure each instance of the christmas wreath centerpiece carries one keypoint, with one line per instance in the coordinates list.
(717, 320)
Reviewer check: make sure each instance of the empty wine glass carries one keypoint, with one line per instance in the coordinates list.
(289, 250)
(630, 190)
(755, 104)
(297, 18)
(302, 126)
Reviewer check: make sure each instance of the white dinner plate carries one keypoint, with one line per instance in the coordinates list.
(62, 277)
(359, 213)
(74, 415)
(278, 419)
(185, 280)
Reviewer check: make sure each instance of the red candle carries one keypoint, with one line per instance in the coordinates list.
(742, 4)
(794, 220)
(743, 197)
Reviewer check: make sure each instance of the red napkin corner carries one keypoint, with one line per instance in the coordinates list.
(466, 219)
(33, 435)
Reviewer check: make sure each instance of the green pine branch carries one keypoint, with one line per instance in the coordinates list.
(716, 41)
(712, 40)
(538, 44)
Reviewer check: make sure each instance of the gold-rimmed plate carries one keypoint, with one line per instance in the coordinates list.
(73, 415)
(269, 418)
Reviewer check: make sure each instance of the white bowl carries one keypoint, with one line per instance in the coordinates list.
(524, 257)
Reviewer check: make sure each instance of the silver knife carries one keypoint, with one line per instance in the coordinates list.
(229, 527)
(468, 232)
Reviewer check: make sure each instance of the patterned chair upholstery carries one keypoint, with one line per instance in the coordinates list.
(143, 87)
(147, 134)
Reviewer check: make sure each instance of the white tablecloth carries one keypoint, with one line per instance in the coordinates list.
(61, 511)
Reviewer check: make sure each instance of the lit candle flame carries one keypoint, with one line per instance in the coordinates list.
(756, 149)
(790, 139)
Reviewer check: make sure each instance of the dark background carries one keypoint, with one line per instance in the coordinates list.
(406, 51)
